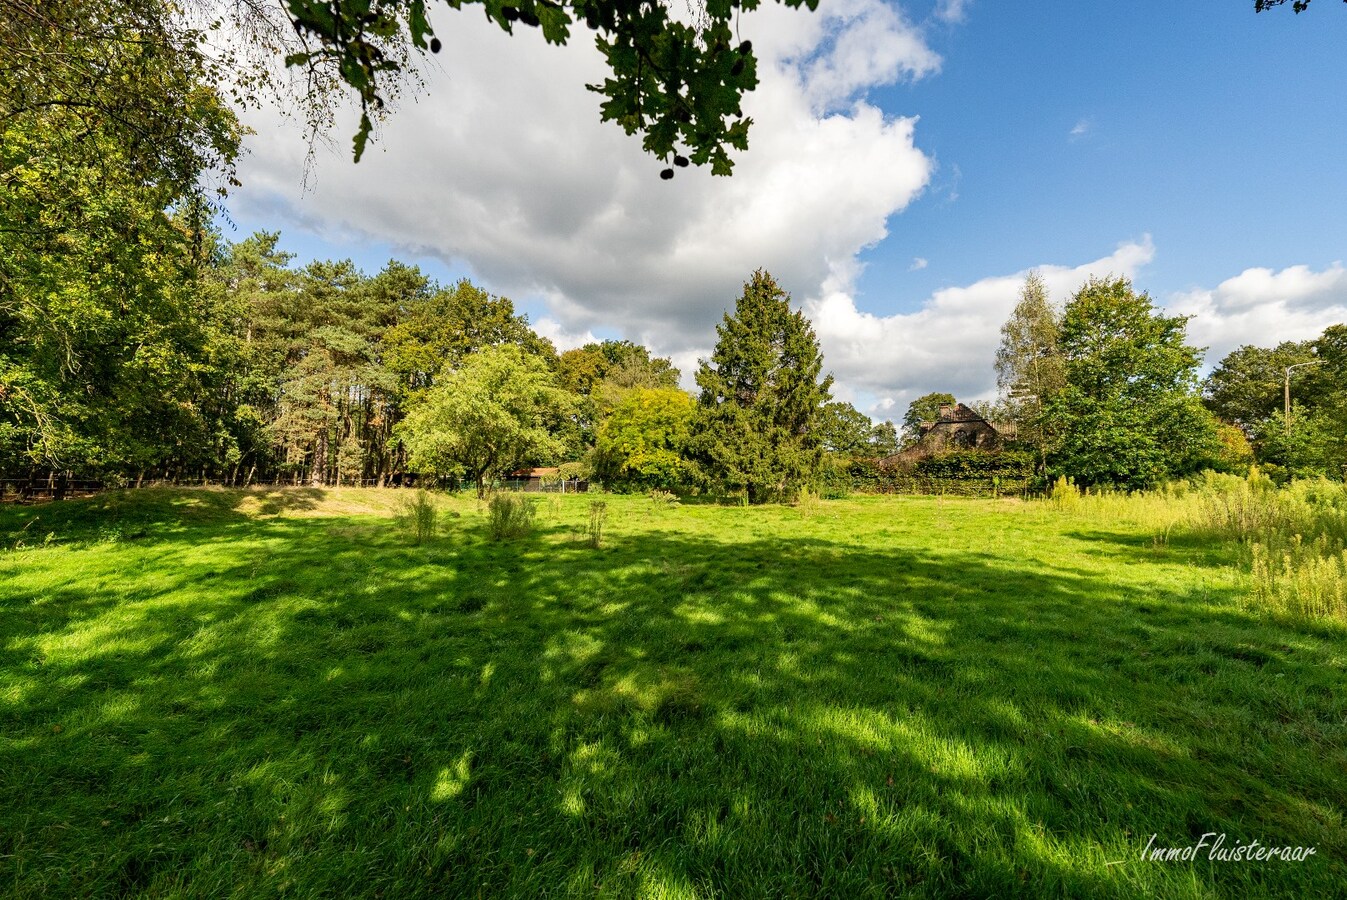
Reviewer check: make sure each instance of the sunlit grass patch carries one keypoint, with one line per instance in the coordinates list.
(896, 696)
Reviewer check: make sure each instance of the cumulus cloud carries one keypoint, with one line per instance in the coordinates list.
(1262, 307)
(505, 169)
(883, 363)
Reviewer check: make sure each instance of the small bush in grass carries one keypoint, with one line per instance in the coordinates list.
(418, 516)
(598, 517)
(663, 498)
(808, 503)
(1065, 494)
(510, 516)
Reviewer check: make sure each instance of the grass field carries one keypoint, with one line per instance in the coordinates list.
(251, 694)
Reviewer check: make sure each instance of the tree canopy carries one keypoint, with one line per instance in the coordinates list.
(924, 409)
(1128, 414)
(488, 417)
(677, 83)
(762, 394)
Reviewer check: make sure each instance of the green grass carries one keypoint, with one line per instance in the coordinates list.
(213, 694)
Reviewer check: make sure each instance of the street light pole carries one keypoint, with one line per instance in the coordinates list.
(1287, 417)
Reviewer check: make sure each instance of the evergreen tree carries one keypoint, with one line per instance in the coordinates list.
(757, 421)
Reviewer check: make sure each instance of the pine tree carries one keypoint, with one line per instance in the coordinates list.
(757, 428)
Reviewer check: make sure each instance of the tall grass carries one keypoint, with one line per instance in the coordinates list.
(418, 516)
(510, 516)
(1292, 541)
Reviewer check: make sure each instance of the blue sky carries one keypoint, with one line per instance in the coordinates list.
(1218, 132)
(908, 163)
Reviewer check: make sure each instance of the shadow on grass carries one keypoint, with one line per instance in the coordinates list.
(287, 708)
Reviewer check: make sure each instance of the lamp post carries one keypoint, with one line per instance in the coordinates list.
(1287, 418)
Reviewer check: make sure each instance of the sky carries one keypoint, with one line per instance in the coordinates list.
(908, 164)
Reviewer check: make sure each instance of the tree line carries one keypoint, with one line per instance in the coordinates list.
(1106, 389)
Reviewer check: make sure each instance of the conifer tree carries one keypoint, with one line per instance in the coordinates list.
(757, 427)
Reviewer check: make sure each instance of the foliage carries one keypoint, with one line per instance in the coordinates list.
(112, 148)
(598, 518)
(1128, 415)
(437, 328)
(677, 83)
(1246, 387)
(976, 464)
(925, 408)
(1304, 450)
(487, 418)
(510, 515)
(1263, 5)
(1235, 453)
(1030, 370)
(757, 423)
(1065, 494)
(641, 443)
(418, 516)
(844, 429)
(884, 439)
(663, 498)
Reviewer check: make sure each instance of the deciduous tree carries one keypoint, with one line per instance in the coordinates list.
(1029, 366)
(488, 416)
(1129, 414)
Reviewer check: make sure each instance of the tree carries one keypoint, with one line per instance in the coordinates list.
(884, 439)
(757, 421)
(642, 443)
(1263, 5)
(844, 429)
(924, 409)
(677, 83)
(486, 418)
(1246, 387)
(1029, 366)
(437, 327)
(1129, 414)
(108, 146)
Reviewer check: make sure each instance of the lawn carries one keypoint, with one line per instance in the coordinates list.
(255, 694)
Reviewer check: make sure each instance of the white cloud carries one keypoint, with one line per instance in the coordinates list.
(946, 345)
(1081, 128)
(953, 11)
(562, 339)
(505, 169)
(1263, 307)
(918, 263)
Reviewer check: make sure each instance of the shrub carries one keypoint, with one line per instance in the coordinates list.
(1065, 494)
(598, 517)
(418, 516)
(808, 503)
(509, 516)
(663, 498)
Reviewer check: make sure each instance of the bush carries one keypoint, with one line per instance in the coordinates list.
(663, 498)
(510, 516)
(1065, 495)
(418, 516)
